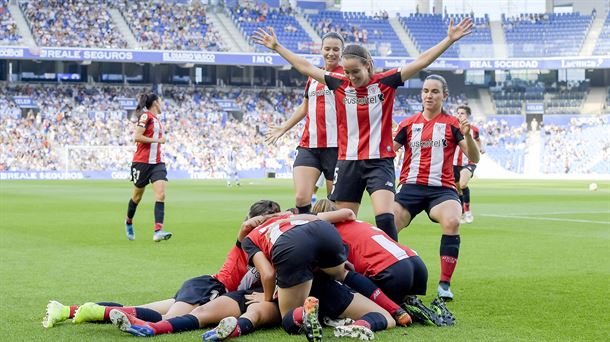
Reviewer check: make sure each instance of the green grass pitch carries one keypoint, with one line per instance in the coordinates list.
(534, 265)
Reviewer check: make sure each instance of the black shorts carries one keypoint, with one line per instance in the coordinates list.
(416, 197)
(323, 159)
(352, 177)
(297, 252)
(406, 277)
(143, 173)
(334, 297)
(200, 290)
(458, 169)
(240, 297)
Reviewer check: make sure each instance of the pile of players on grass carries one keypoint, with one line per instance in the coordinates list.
(300, 271)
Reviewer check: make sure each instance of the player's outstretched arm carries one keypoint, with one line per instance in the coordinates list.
(453, 35)
(337, 216)
(269, 40)
(277, 132)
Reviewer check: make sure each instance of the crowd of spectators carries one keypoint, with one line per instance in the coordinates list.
(260, 12)
(9, 35)
(65, 23)
(171, 25)
(202, 133)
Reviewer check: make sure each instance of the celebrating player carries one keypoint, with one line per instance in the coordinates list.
(317, 151)
(463, 168)
(147, 166)
(430, 139)
(364, 119)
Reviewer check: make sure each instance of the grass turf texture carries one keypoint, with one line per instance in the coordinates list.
(541, 274)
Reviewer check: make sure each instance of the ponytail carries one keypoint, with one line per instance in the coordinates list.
(145, 101)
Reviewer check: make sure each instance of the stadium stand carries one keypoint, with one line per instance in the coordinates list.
(566, 98)
(64, 23)
(9, 35)
(428, 29)
(289, 32)
(544, 34)
(171, 26)
(603, 41)
(582, 146)
(510, 96)
(375, 32)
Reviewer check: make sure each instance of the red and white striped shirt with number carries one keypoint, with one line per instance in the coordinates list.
(321, 120)
(459, 157)
(149, 153)
(429, 148)
(364, 115)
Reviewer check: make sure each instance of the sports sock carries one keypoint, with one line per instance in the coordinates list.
(462, 202)
(449, 251)
(293, 320)
(306, 209)
(73, 309)
(159, 215)
(148, 315)
(244, 327)
(131, 210)
(183, 323)
(373, 320)
(386, 223)
(466, 202)
(130, 310)
(366, 287)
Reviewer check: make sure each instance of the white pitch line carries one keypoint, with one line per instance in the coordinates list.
(546, 219)
(568, 213)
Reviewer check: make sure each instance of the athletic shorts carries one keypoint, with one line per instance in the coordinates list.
(352, 177)
(240, 297)
(416, 198)
(334, 297)
(142, 173)
(458, 169)
(323, 159)
(299, 251)
(200, 290)
(406, 277)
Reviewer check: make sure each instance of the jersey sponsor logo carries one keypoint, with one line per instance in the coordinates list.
(363, 100)
(429, 143)
(321, 92)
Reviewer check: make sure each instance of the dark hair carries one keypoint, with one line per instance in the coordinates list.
(359, 51)
(334, 35)
(263, 207)
(443, 81)
(465, 108)
(145, 101)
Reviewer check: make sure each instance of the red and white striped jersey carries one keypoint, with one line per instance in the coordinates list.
(321, 120)
(265, 235)
(149, 153)
(459, 157)
(370, 250)
(234, 269)
(429, 148)
(364, 115)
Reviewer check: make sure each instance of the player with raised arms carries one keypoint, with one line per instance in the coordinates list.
(317, 150)
(364, 118)
(430, 139)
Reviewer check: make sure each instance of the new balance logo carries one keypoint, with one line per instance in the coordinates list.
(390, 184)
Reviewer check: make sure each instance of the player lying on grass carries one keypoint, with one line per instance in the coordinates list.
(396, 269)
(243, 311)
(193, 293)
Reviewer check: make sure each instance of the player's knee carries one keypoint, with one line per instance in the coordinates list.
(136, 198)
(451, 225)
(302, 198)
(160, 196)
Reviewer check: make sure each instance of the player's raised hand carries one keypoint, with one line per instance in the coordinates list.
(264, 38)
(464, 125)
(274, 134)
(460, 30)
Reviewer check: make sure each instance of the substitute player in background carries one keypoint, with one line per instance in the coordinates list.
(430, 139)
(147, 166)
(317, 151)
(463, 168)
